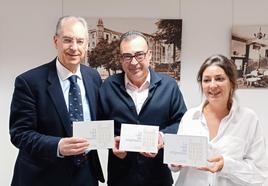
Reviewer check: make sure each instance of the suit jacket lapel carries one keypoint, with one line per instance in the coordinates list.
(90, 92)
(56, 94)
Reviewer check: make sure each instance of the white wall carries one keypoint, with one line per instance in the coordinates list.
(26, 30)
(27, 27)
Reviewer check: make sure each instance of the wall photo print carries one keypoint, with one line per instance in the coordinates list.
(164, 36)
(249, 51)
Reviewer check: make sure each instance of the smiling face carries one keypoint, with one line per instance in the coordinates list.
(71, 43)
(216, 85)
(136, 71)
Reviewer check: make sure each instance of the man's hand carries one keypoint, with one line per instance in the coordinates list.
(119, 153)
(159, 146)
(72, 146)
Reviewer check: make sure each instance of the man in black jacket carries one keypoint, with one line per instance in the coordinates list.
(140, 96)
(40, 119)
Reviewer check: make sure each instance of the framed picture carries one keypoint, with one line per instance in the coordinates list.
(163, 35)
(249, 51)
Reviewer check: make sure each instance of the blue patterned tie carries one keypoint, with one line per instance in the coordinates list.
(76, 112)
(75, 100)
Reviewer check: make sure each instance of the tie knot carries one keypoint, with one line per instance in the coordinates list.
(73, 79)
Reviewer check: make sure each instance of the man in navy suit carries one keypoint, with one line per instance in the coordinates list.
(40, 125)
(140, 95)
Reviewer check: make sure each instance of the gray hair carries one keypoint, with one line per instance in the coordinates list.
(65, 18)
(132, 35)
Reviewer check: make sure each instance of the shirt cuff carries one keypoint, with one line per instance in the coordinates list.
(227, 167)
(58, 152)
(173, 168)
(162, 134)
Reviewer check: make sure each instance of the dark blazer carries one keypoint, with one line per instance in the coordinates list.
(38, 120)
(164, 107)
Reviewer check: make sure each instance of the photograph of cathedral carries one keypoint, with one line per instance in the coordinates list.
(164, 36)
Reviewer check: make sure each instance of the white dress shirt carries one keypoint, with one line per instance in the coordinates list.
(239, 140)
(138, 94)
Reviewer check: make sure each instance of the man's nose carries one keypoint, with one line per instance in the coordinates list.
(134, 61)
(74, 45)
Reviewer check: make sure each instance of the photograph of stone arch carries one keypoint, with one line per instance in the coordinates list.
(249, 51)
(164, 36)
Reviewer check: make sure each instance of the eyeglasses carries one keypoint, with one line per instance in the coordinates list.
(139, 56)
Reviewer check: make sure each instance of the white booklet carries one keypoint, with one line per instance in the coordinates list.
(186, 150)
(99, 133)
(139, 138)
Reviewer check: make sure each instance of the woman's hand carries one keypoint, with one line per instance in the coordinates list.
(216, 164)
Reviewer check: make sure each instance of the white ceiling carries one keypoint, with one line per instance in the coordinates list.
(247, 33)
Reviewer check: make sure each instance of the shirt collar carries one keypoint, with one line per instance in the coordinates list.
(234, 108)
(199, 111)
(64, 73)
(131, 86)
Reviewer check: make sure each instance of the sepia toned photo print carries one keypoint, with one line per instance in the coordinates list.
(249, 51)
(164, 36)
